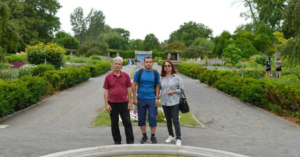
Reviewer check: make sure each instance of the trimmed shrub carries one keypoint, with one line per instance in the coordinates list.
(252, 73)
(19, 94)
(69, 77)
(93, 51)
(191, 70)
(15, 58)
(51, 52)
(41, 69)
(95, 57)
(127, 54)
(99, 68)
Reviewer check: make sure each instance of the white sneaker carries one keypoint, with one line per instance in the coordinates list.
(170, 139)
(178, 142)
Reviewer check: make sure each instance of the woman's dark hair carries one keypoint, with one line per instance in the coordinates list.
(163, 73)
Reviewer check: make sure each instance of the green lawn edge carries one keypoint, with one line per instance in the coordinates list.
(187, 119)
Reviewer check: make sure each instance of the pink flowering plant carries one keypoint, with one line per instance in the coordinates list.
(18, 64)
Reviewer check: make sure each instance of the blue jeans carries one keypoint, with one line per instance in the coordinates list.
(143, 105)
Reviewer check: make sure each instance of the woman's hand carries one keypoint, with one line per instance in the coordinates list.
(171, 92)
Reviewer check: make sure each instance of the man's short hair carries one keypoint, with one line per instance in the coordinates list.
(118, 59)
(148, 57)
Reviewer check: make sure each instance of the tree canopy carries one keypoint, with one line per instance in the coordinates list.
(188, 32)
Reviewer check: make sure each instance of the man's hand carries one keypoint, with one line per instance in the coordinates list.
(108, 108)
(135, 101)
(171, 92)
(129, 106)
(156, 102)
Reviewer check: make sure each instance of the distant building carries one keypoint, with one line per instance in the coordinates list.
(140, 55)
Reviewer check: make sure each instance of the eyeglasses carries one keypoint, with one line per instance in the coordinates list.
(168, 65)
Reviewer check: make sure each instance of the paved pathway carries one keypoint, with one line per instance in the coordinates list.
(63, 122)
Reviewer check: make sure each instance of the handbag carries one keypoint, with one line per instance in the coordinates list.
(183, 104)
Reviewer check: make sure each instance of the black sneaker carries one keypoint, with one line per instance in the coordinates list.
(153, 140)
(144, 139)
(117, 143)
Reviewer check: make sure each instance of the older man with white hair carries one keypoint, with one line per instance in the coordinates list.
(117, 97)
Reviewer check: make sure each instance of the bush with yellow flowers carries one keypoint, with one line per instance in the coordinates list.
(50, 52)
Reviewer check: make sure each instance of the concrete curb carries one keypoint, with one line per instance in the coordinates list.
(145, 149)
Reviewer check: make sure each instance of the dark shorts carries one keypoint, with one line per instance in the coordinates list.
(268, 69)
(278, 69)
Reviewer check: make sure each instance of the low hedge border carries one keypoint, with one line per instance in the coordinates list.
(16, 95)
(279, 97)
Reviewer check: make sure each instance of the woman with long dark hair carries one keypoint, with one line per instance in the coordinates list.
(171, 86)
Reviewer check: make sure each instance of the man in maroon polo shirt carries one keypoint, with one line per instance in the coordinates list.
(117, 97)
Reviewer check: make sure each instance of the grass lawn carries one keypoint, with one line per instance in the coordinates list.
(186, 119)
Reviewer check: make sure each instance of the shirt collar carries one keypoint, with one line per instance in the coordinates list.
(116, 75)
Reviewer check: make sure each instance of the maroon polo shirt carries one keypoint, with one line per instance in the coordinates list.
(117, 87)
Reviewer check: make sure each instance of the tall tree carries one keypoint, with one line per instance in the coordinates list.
(252, 12)
(176, 45)
(264, 39)
(46, 23)
(66, 40)
(243, 40)
(151, 43)
(193, 52)
(221, 43)
(291, 16)
(122, 32)
(115, 41)
(188, 32)
(95, 24)
(79, 25)
(137, 44)
(9, 34)
(87, 28)
(207, 44)
(270, 12)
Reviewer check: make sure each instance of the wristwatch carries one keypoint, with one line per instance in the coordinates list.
(157, 98)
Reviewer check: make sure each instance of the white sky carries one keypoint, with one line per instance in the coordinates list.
(160, 17)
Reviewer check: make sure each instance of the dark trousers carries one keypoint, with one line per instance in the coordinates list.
(171, 114)
(121, 109)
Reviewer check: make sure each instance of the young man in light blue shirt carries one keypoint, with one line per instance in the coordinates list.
(146, 97)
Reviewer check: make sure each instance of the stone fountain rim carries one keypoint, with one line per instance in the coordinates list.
(144, 149)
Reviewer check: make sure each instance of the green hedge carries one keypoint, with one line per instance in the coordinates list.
(191, 70)
(127, 54)
(66, 78)
(163, 55)
(20, 93)
(273, 94)
(99, 68)
(259, 92)
(15, 58)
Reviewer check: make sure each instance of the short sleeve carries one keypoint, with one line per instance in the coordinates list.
(106, 83)
(136, 75)
(158, 78)
(128, 81)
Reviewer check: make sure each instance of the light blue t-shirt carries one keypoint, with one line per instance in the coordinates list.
(146, 89)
